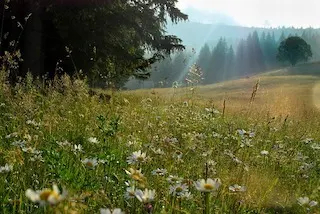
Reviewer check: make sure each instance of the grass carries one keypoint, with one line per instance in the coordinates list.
(277, 95)
(181, 134)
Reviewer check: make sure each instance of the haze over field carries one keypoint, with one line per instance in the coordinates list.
(259, 13)
(231, 39)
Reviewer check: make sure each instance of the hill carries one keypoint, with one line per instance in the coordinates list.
(289, 91)
(195, 34)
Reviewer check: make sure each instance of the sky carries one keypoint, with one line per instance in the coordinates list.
(262, 13)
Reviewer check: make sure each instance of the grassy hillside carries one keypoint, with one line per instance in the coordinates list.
(290, 91)
(254, 158)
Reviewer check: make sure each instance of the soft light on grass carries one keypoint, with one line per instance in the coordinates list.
(157, 144)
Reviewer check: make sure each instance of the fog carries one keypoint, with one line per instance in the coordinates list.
(261, 13)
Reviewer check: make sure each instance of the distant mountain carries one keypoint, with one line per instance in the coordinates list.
(196, 34)
(207, 17)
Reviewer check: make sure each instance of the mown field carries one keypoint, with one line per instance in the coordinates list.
(147, 151)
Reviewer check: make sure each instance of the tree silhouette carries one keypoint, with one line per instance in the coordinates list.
(219, 54)
(294, 49)
(230, 63)
(241, 58)
(204, 60)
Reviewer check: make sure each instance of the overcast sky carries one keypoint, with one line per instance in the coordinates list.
(297, 13)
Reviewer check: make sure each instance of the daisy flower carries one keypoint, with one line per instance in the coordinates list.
(6, 168)
(172, 179)
(93, 140)
(302, 201)
(109, 211)
(46, 196)
(130, 192)
(135, 174)
(145, 196)
(137, 157)
(237, 188)
(77, 148)
(90, 163)
(63, 143)
(178, 189)
(208, 185)
(159, 172)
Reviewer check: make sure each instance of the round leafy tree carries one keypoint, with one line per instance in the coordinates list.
(294, 49)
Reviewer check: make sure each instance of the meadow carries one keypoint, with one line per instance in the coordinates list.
(205, 149)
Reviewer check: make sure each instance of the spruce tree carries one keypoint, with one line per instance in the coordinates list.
(204, 60)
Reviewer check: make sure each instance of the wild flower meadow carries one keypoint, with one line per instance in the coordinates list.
(63, 151)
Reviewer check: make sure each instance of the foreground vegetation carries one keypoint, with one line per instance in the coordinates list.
(145, 153)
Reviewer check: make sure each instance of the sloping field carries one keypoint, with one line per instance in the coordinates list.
(151, 151)
(284, 92)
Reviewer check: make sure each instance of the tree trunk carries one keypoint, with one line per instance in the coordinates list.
(33, 57)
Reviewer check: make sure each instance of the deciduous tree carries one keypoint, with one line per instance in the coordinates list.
(294, 49)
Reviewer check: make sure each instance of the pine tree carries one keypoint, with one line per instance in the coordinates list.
(161, 72)
(241, 59)
(179, 66)
(230, 63)
(249, 62)
(109, 39)
(315, 45)
(218, 58)
(204, 60)
(257, 54)
(281, 38)
(263, 41)
(270, 48)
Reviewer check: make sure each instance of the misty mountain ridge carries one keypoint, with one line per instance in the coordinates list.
(207, 17)
(209, 27)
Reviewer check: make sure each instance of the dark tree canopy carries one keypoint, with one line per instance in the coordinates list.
(107, 39)
(294, 49)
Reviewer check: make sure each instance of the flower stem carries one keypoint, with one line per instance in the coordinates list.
(207, 203)
(173, 199)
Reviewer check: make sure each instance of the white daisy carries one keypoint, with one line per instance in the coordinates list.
(315, 146)
(90, 163)
(108, 211)
(14, 134)
(130, 192)
(244, 133)
(137, 157)
(178, 155)
(302, 201)
(237, 188)
(102, 161)
(172, 179)
(208, 185)
(93, 140)
(64, 143)
(77, 148)
(6, 168)
(32, 122)
(145, 196)
(158, 151)
(159, 172)
(186, 195)
(19, 143)
(178, 189)
(136, 174)
(46, 196)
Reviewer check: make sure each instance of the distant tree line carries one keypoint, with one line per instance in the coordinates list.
(254, 54)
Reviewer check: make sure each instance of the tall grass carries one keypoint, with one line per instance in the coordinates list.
(55, 133)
